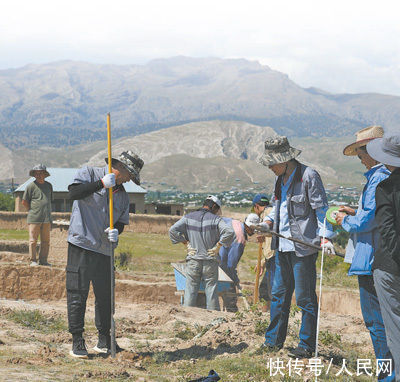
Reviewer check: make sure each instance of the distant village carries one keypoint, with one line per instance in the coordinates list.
(237, 197)
(161, 198)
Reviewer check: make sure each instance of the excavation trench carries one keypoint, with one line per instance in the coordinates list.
(22, 282)
(19, 281)
(47, 283)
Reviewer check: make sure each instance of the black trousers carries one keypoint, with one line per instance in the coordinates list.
(83, 267)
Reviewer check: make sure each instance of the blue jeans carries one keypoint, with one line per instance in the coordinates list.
(373, 320)
(267, 280)
(197, 271)
(229, 260)
(298, 274)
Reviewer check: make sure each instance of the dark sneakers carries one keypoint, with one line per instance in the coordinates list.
(300, 352)
(45, 264)
(266, 348)
(78, 347)
(104, 345)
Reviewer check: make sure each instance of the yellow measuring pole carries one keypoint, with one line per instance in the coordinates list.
(110, 169)
(110, 193)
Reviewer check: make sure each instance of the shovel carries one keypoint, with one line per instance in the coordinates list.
(259, 230)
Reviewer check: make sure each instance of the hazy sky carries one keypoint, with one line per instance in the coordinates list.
(339, 46)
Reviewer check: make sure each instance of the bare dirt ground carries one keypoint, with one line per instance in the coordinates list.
(148, 333)
(163, 341)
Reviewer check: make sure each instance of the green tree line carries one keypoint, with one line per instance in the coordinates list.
(7, 202)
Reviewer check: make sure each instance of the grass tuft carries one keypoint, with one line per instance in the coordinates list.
(260, 327)
(34, 319)
(123, 261)
(328, 338)
(183, 331)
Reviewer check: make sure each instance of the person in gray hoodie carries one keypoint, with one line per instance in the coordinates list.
(203, 232)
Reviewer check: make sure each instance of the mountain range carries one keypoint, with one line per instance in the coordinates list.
(199, 156)
(65, 103)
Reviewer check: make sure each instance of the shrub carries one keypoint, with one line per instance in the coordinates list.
(123, 261)
(260, 327)
(185, 334)
(328, 338)
(7, 202)
(34, 319)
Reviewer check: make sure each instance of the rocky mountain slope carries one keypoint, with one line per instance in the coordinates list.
(66, 102)
(207, 139)
(200, 156)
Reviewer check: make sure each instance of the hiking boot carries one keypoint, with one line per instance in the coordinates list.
(104, 345)
(34, 264)
(266, 348)
(300, 352)
(78, 347)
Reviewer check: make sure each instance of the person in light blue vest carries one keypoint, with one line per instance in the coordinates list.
(364, 239)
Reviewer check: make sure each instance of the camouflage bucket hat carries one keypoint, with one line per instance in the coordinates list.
(277, 150)
(131, 162)
(39, 167)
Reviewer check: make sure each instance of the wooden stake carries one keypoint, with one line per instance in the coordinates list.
(256, 285)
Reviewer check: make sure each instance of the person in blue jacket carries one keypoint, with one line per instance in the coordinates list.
(363, 242)
(230, 256)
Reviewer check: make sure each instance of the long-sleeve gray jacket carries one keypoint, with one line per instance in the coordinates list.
(203, 230)
(305, 197)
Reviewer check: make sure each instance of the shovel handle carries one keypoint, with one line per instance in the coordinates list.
(256, 285)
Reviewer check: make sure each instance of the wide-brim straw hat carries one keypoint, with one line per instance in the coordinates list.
(277, 150)
(131, 162)
(363, 137)
(39, 167)
(385, 150)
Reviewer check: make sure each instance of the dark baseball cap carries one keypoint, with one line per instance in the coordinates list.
(261, 200)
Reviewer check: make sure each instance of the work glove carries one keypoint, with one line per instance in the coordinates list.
(328, 246)
(190, 250)
(214, 252)
(108, 180)
(263, 229)
(112, 234)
